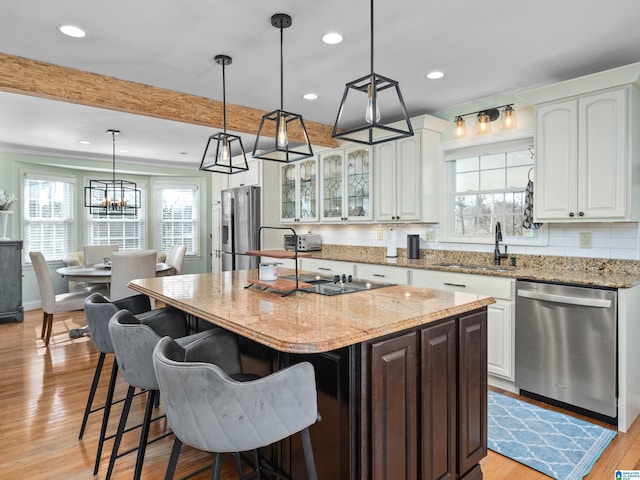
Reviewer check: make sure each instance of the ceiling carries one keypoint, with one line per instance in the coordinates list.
(485, 48)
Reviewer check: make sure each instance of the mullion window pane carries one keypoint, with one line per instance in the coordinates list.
(177, 217)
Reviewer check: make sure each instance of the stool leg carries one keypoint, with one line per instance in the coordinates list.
(92, 392)
(144, 434)
(49, 327)
(121, 427)
(105, 414)
(173, 459)
(308, 455)
(215, 469)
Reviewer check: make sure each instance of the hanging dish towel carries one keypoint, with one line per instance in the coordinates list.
(528, 222)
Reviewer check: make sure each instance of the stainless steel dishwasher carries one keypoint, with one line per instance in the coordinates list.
(565, 347)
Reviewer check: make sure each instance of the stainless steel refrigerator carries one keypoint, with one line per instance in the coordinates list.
(240, 225)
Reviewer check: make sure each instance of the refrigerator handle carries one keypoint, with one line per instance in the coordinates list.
(225, 234)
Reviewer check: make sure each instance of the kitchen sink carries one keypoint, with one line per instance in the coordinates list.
(473, 266)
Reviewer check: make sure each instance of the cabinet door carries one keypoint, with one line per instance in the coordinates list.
(408, 179)
(307, 190)
(250, 177)
(556, 161)
(332, 181)
(288, 192)
(472, 390)
(500, 339)
(385, 181)
(393, 422)
(602, 155)
(358, 176)
(438, 354)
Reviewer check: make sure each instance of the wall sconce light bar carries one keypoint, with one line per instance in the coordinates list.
(484, 119)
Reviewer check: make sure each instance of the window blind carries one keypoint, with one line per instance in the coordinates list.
(177, 214)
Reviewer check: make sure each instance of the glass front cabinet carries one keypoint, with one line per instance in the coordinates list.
(299, 191)
(345, 179)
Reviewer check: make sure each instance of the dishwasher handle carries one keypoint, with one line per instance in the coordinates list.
(549, 297)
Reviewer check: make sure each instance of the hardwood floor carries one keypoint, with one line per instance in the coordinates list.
(43, 392)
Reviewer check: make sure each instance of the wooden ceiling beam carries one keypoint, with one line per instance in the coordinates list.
(30, 77)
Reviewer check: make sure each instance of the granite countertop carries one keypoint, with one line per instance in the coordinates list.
(305, 322)
(570, 270)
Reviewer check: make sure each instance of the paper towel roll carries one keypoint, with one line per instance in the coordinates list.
(391, 243)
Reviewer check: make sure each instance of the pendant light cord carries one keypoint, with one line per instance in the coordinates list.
(371, 49)
(281, 68)
(113, 140)
(224, 101)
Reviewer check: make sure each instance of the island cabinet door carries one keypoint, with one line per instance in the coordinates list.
(438, 360)
(472, 392)
(393, 420)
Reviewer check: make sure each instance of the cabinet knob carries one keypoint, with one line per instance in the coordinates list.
(571, 214)
(581, 214)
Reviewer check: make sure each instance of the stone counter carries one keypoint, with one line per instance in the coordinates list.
(305, 322)
(570, 270)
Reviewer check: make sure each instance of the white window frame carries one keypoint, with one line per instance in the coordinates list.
(192, 242)
(138, 241)
(53, 252)
(452, 152)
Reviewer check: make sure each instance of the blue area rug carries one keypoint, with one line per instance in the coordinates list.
(558, 445)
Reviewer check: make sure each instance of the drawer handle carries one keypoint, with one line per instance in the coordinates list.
(324, 268)
(379, 275)
(455, 285)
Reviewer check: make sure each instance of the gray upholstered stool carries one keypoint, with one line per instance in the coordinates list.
(133, 342)
(209, 410)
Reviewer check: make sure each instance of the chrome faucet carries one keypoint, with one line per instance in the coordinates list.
(497, 255)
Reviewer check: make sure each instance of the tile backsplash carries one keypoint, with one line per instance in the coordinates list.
(607, 240)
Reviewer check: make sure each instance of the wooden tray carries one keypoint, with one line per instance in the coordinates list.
(280, 284)
(276, 253)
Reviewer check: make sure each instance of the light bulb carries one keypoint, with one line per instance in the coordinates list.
(508, 118)
(460, 131)
(282, 137)
(368, 116)
(224, 155)
(484, 123)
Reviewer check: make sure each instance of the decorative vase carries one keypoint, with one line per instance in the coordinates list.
(4, 222)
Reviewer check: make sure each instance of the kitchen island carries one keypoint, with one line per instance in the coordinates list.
(401, 371)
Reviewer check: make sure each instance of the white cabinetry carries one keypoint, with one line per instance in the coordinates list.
(345, 181)
(299, 191)
(583, 158)
(500, 315)
(251, 177)
(382, 273)
(406, 174)
(327, 267)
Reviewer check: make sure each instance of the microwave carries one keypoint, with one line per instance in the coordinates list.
(306, 243)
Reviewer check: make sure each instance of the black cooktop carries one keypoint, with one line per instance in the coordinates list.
(336, 285)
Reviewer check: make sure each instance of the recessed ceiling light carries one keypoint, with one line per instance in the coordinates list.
(310, 96)
(434, 75)
(85, 142)
(123, 151)
(71, 31)
(332, 38)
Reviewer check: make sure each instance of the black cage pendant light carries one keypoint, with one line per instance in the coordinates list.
(112, 197)
(228, 156)
(282, 136)
(366, 103)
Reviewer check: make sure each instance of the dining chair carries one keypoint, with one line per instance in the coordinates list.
(209, 410)
(133, 342)
(128, 265)
(98, 311)
(97, 253)
(52, 302)
(175, 257)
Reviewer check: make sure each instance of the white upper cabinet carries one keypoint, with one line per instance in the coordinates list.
(583, 157)
(299, 191)
(345, 181)
(251, 177)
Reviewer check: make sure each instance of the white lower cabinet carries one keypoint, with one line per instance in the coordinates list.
(500, 315)
(382, 273)
(327, 267)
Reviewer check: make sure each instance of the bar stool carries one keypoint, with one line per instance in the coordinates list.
(209, 410)
(133, 343)
(98, 312)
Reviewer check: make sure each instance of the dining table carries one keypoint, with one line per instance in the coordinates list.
(101, 272)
